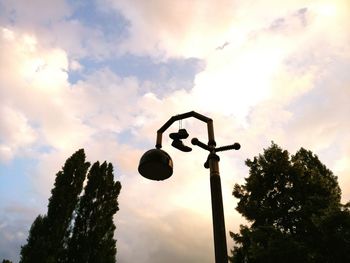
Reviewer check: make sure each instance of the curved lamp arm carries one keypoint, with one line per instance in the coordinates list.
(208, 121)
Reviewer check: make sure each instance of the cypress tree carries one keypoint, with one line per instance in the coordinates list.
(36, 248)
(92, 239)
(48, 233)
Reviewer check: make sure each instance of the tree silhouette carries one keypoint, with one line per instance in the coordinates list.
(77, 228)
(37, 243)
(48, 233)
(293, 206)
(92, 239)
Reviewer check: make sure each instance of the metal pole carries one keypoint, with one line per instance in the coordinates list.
(217, 210)
(220, 244)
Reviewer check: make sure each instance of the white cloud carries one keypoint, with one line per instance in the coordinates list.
(34, 83)
(15, 133)
(74, 65)
(197, 28)
(28, 14)
(79, 40)
(179, 28)
(277, 54)
(342, 170)
(263, 85)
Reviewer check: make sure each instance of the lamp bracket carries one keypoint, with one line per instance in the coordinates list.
(208, 121)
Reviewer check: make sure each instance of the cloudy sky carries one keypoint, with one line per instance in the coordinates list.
(104, 75)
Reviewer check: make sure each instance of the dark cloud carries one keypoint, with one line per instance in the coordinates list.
(302, 15)
(14, 226)
(278, 24)
(299, 17)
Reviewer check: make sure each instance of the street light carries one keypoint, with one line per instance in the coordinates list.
(157, 165)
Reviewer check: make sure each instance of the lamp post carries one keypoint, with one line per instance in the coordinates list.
(156, 164)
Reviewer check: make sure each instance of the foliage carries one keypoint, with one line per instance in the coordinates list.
(51, 235)
(293, 206)
(47, 234)
(92, 239)
(6, 261)
(38, 240)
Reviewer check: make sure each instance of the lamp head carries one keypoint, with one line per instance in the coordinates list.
(156, 164)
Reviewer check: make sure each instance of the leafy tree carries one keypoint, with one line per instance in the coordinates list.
(36, 248)
(48, 233)
(293, 206)
(77, 228)
(6, 261)
(92, 239)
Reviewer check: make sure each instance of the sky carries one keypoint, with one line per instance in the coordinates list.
(105, 75)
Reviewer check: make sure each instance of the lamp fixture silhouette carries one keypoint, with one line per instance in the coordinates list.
(156, 164)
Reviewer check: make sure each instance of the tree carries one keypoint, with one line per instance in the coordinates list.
(77, 228)
(293, 206)
(48, 233)
(6, 261)
(92, 239)
(36, 248)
